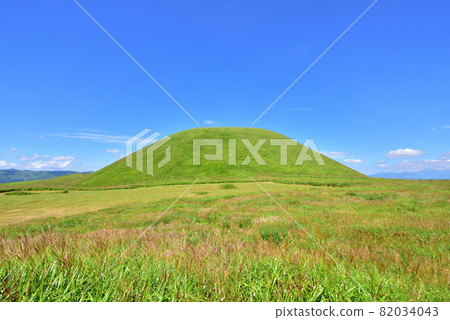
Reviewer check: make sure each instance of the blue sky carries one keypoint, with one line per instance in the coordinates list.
(378, 100)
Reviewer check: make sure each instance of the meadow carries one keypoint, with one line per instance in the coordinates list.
(228, 242)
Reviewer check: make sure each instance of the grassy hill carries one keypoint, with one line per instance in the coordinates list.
(181, 167)
(180, 170)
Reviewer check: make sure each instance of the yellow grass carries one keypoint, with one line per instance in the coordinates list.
(19, 208)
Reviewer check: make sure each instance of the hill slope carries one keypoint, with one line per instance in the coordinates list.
(181, 168)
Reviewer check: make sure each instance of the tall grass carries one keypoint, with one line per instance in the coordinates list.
(392, 238)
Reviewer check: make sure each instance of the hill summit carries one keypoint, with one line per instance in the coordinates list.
(235, 154)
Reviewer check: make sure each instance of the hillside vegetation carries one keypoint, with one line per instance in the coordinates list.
(181, 165)
(181, 169)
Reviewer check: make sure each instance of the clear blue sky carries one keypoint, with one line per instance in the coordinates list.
(69, 95)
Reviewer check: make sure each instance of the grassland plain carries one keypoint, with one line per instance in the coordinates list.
(229, 244)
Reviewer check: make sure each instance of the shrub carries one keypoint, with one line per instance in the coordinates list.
(374, 196)
(245, 223)
(18, 193)
(274, 233)
(226, 225)
(228, 186)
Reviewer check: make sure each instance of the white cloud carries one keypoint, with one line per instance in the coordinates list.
(113, 150)
(35, 156)
(445, 127)
(403, 153)
(334, 154)
(59, 162)
(354, 161)
(210, 122)
(411, 166)
(5, 165)
(51, 164)
(63, 158)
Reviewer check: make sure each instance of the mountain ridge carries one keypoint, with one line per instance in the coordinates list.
(416, 175)
(14, 175)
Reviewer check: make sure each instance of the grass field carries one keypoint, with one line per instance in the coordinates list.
(229, 244)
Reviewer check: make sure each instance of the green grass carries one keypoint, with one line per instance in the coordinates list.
(51, 203)
(181, 166)
(219, 244)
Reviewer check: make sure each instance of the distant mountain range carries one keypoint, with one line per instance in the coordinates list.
(12, 175)
(424, 175)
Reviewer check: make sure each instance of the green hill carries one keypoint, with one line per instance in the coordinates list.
(181, 168)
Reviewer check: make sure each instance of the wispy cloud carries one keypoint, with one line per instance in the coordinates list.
(440, 128)
(84, 130)
(411, 166)
(112, 150)
(210, 122)
(11, 150)
(92, 136)
(63, 158)
(298, 109)
(353, 161)
(334, 154)
(35, 156)
(403, 153)
(445, 155)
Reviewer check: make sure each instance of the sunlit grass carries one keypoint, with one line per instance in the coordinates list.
(233, 244)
